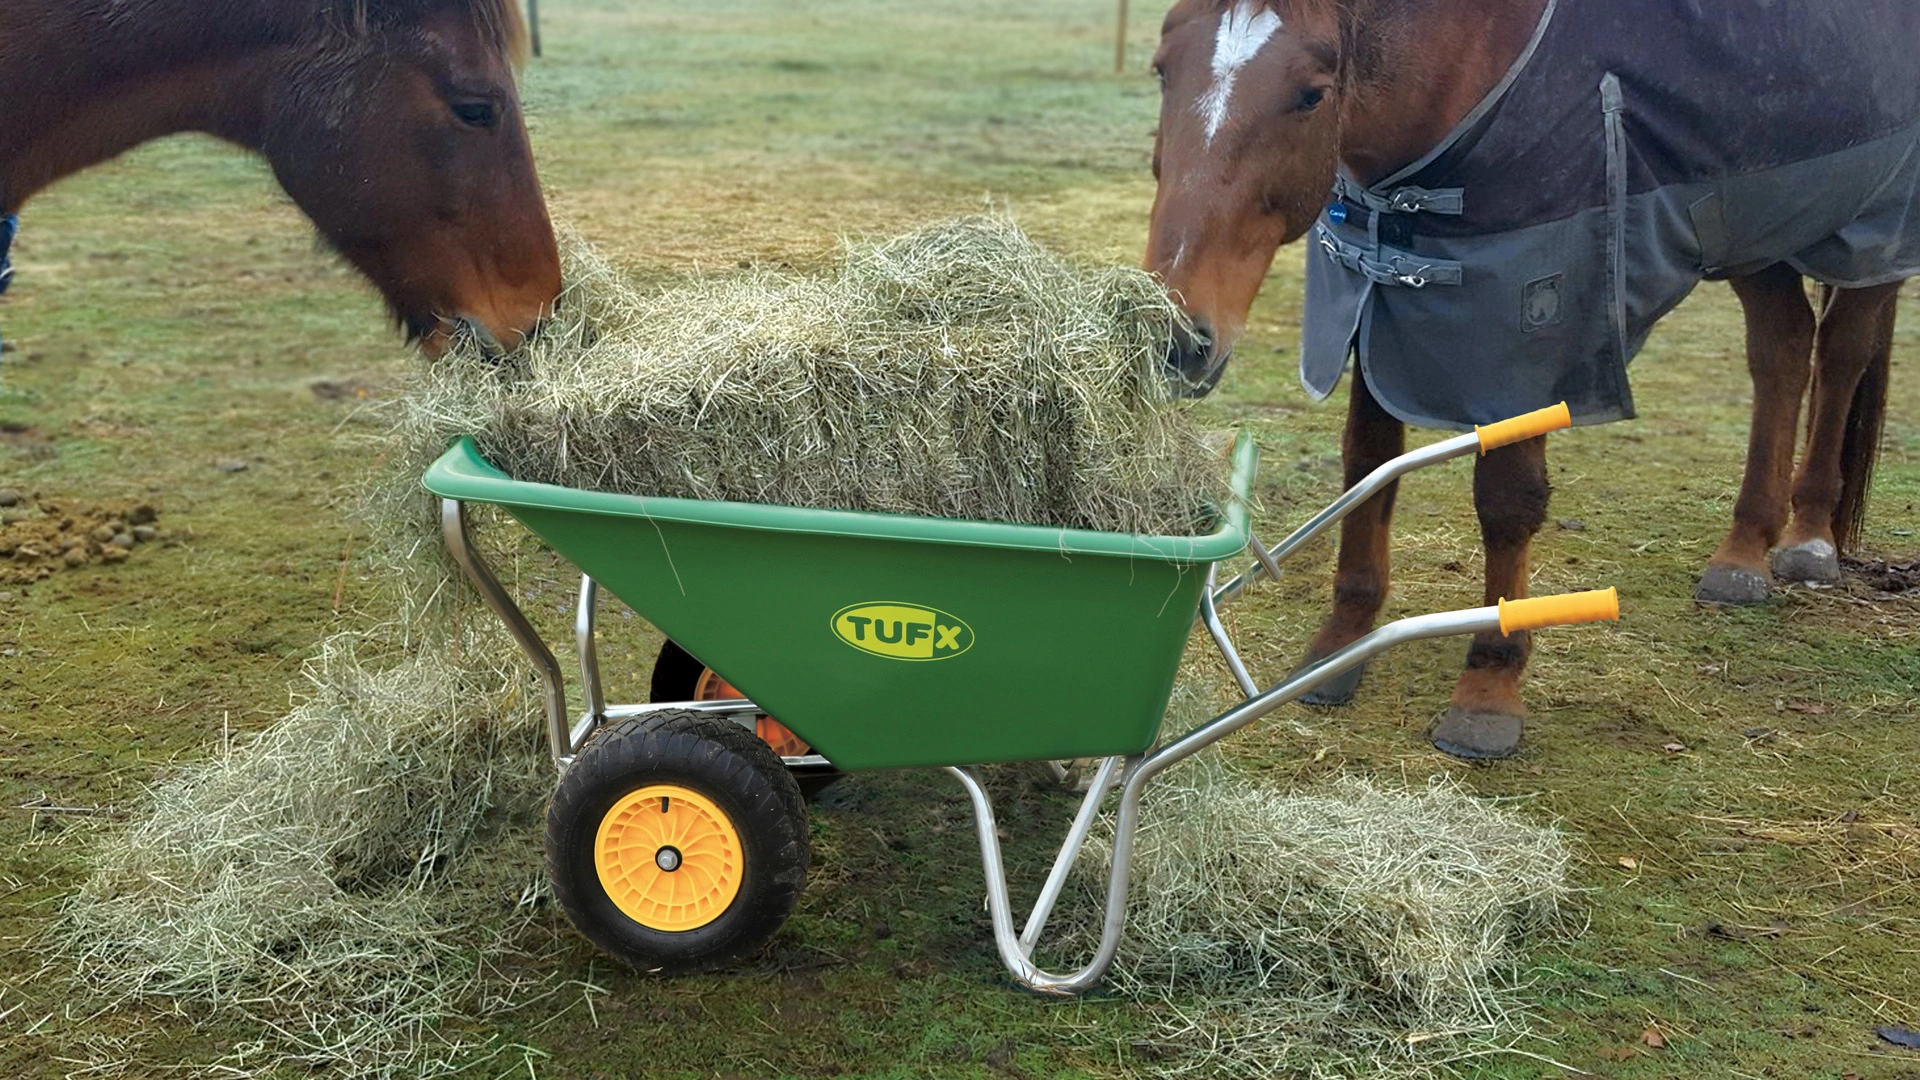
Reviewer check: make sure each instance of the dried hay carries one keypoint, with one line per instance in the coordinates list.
(1347, 931)
(312, 879)
(961, 371)
(348, 878)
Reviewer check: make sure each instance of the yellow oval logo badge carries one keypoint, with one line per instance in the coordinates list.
(903, 631)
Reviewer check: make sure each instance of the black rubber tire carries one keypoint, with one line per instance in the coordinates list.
(726, 763)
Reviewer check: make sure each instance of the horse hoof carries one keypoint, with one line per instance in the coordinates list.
(1732, 585)
(1476, 736)
(1815, 560)
(1338, 690)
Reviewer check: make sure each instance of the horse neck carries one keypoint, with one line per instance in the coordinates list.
(86, 81)
(1419, 67)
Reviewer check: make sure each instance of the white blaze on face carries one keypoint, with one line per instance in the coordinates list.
(1244, 31)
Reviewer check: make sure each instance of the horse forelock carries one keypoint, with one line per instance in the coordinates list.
(500, 21)
(1341, 18)
(1337, 31)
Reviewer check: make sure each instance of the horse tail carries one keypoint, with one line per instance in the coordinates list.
(1860, 449)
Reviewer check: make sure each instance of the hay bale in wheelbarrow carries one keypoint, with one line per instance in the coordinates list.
(962, 371)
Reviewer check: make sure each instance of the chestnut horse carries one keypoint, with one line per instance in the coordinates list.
(1265, 99)
(395, 126)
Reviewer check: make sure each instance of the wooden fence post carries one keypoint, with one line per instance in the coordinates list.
(533, 24)
(1120, 42)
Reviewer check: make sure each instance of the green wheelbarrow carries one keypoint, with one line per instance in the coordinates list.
(677, 839)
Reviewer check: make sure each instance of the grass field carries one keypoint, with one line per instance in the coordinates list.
(1741, 786)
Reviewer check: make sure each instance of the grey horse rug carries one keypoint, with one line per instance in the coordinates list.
(1636, 148)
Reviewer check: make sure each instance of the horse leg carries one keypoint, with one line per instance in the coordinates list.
(1852, 355)
(1373, 438)
(1487, 716)
(1780, 329)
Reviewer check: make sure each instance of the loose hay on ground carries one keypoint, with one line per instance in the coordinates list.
(1348, 931)
(299, 877)
(961, 371)
(325, 878)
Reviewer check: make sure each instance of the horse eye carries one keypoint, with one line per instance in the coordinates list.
(1309, 99)
(478, 114)
(1160, 72)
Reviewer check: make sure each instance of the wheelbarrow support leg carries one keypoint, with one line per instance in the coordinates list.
(1012, 953)
(453, 526)
(1070, 852)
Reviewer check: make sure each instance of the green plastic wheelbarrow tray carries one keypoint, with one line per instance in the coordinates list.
(885, 640)
(889, 641)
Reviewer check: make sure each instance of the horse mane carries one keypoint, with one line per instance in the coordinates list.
(501, 21)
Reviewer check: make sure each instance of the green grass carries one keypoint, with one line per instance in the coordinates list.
(171, 313)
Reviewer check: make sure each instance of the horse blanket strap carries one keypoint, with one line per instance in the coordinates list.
(1384, 265)
(1633, 149)
(1406, 200)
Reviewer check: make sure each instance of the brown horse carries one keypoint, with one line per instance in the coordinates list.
(1264, 100)
(395, 125)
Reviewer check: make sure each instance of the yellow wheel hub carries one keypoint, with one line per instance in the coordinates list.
(669, 858)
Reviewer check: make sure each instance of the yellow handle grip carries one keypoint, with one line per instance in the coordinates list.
(1602, 605)
(1522, 428)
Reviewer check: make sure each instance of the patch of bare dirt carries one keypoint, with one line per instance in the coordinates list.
(40, 537)
(1893, 576)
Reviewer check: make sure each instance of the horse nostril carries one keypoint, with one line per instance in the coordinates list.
(490, 346)
(1191, 364)
(1201, 336)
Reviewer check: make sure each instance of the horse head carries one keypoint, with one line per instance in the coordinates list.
(1244, 159)
(402, 138)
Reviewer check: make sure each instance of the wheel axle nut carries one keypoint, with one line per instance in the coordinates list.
(667, 858)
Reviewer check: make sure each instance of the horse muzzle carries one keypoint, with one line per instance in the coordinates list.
(1194, 364)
